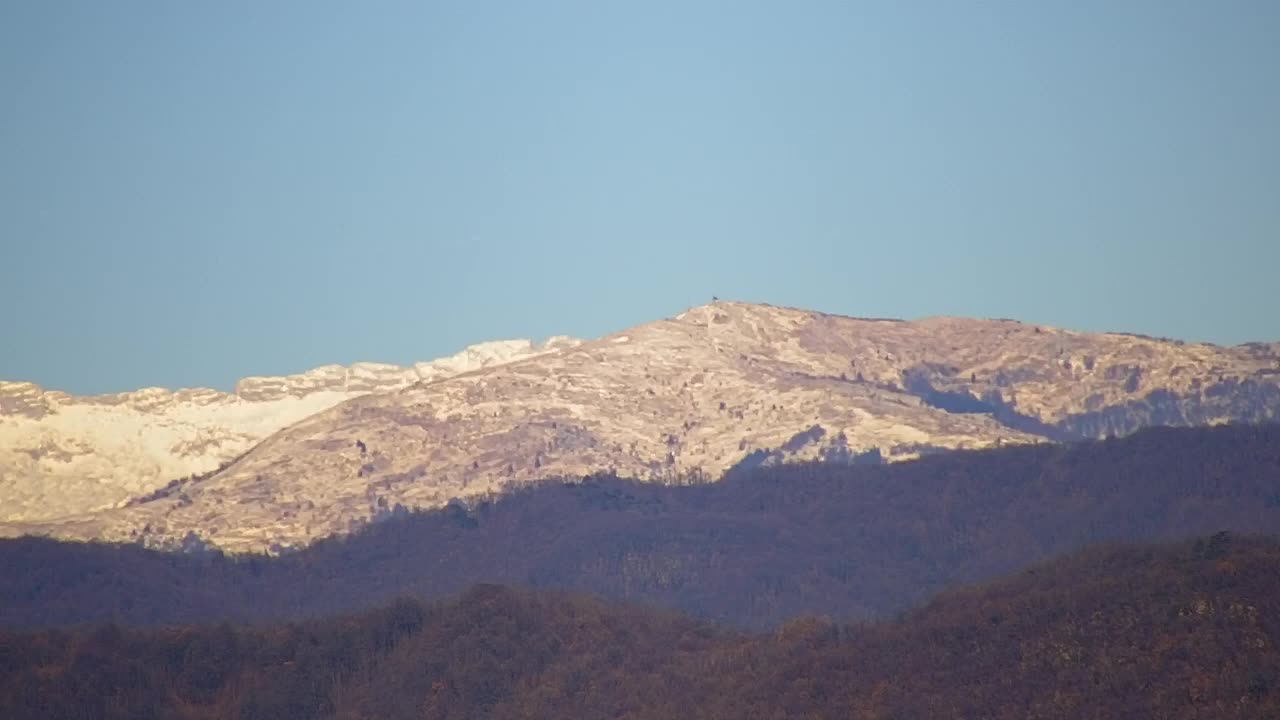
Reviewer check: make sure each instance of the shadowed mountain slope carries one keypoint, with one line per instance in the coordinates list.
(752, 550)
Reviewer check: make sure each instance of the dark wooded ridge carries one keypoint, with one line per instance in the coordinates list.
(1181, 631)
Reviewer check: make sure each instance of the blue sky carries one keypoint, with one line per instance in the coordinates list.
(193, 192)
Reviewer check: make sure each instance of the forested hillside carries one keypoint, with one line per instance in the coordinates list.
(1182, 631)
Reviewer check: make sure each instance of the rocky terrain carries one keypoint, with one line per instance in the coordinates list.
(65, 455)
(686, 399)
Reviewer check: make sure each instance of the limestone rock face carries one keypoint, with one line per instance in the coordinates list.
(685, 399)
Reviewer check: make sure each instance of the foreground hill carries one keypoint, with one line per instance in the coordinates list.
(1182, 631)
(752, 550)
(62, 454)
(691, 397)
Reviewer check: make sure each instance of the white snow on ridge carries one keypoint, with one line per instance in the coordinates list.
(63, 455)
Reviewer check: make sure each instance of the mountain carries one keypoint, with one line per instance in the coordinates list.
(1176, 631)
(759, 547)
(686, 399)
(62, 455)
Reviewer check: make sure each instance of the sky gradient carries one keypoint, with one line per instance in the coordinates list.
(195, 192)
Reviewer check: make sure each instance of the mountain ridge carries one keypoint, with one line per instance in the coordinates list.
(691, 396)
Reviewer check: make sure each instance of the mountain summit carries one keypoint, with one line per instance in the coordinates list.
(688, 398)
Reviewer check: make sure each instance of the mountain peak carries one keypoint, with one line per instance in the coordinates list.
(687, 398)
(718, 386)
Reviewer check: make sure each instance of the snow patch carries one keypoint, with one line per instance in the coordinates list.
(62, 455)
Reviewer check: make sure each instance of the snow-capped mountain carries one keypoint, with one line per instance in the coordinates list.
(688, 398)
(66, 455)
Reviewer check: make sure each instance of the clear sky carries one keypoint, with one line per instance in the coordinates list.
(191, 192)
